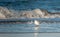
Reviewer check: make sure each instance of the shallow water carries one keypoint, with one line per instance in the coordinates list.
(43, 27)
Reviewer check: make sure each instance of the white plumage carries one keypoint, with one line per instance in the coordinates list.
(36, 22)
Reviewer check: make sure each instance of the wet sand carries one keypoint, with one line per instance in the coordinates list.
(31, 35)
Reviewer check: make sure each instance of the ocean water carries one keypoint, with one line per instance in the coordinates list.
(49, 5)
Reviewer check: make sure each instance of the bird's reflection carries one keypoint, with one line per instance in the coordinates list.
(36, 30)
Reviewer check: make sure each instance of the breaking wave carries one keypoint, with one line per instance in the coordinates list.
(36, 13)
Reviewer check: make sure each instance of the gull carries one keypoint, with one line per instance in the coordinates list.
(36, 22)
